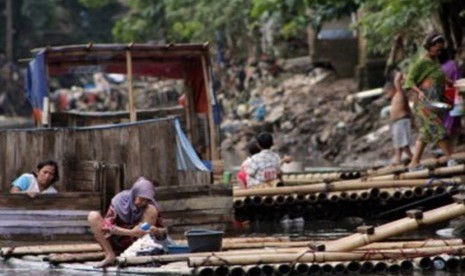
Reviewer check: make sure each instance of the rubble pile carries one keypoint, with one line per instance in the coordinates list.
(312, 119)
(108, 92)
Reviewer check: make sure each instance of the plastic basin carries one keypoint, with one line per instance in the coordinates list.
(204, 240)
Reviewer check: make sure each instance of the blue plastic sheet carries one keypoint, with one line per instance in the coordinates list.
(186, 157)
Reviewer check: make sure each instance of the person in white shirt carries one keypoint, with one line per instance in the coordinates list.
(38, 182)
(264, 167)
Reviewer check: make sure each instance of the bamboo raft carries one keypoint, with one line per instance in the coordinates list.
(367, 251)
(370, 194)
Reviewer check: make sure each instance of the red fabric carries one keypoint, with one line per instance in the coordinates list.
(182, 100)
(242, 177)
(449, 94)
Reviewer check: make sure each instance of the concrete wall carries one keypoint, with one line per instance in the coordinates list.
(341, 53)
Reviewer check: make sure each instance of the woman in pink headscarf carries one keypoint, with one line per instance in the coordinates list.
(121, 225)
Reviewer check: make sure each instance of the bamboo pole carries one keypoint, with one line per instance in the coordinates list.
(439, 263)
(452, 262)
(334, 197)
(137, 260)
(343, 186)
(205, 271)
(283, 269)
(301, 268)
(411, 244)
(429, 163)
(76, 257)
(268, 270)
(397, 227)
(237, 271)
(268, 201)
(353, 267)
(380, 248)
(337, 267)
(239, 202)
(380, 267)
(311, 198)
(367, 267)
(424, 263)
(253, 270)
(255, 239)
(229, 246)
(312, 256)
(221, 271)
(131, 106)
(393, 267)
(426, 173)
(327, 268)
(302, 245)
(47, 249)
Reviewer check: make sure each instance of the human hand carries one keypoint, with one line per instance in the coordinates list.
(421, 95)
(287, 159)
(158, 232)
(137, 232)
(31, 194)
(398, 78)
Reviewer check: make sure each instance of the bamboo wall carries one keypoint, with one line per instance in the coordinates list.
(144, 148)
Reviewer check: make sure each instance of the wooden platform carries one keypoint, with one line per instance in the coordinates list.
(48, 217)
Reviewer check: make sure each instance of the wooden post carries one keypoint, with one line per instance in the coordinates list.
(9, 31)
(213, 137)
(132, 110)
(191, 116)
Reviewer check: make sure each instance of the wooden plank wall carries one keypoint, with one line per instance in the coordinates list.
(145, 148)
(198, 206)
(61, 201)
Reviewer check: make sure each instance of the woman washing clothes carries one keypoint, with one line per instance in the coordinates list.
(427, 82)
(121, 225)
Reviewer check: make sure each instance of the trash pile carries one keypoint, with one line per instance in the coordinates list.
(312, 117)
(108, 92)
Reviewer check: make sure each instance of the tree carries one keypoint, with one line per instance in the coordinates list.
(384, 19)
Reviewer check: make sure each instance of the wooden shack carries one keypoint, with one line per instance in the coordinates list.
(188, 62)
(100, 154)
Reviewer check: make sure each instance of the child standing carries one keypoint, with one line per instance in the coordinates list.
(400, 117)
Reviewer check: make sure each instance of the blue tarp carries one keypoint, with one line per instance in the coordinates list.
(36, 81)
(186, 157)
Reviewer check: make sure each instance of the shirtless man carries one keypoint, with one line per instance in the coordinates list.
(401, 118)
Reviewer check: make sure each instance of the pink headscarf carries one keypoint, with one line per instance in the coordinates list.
(124, 205)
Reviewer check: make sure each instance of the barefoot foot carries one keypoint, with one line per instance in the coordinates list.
(108, 261)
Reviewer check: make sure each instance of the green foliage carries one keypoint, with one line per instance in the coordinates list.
(95, 4)
(43, 13)
(145, 21)
(384, 19)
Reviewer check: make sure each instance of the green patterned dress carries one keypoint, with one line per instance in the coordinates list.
(428, 76)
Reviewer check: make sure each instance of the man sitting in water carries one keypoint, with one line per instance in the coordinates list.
(121, 225)
(38, 182)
